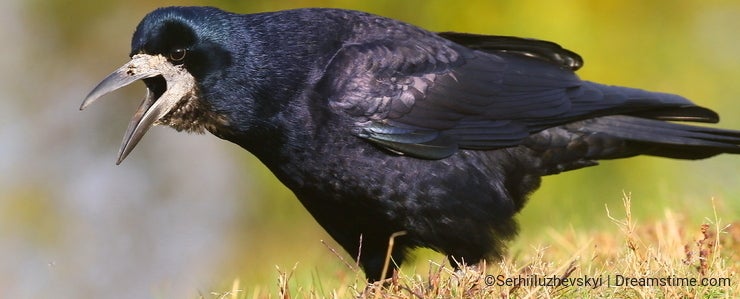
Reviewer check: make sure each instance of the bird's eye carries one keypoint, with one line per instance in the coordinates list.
(178, 54)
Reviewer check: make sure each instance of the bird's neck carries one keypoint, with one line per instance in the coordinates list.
(289, 142)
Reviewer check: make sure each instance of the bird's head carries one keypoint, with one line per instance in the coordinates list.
(173, 50)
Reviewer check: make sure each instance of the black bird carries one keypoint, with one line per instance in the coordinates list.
(379, 126)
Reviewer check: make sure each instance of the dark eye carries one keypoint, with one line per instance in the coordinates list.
(178, 54)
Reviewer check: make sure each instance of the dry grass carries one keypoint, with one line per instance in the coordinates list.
(674, 259)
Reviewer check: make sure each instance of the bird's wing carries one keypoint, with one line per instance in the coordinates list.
(540, 49)
(429, 99)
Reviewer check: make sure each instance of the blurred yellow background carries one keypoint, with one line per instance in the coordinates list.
(187, 213)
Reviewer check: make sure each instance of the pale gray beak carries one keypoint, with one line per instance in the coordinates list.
(142, 66)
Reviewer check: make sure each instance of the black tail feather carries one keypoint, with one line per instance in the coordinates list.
(666, 139)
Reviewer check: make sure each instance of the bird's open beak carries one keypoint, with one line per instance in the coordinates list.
(153, 107)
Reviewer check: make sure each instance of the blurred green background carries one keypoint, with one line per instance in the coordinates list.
(189, 213)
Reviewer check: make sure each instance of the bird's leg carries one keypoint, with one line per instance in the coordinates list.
(379, 266)
(374, 264)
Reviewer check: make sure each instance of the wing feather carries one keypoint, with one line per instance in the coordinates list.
(428, 97)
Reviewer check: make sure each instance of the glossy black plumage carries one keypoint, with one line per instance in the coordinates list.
(378, 126)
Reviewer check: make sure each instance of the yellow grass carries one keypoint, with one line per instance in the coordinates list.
(664, 259)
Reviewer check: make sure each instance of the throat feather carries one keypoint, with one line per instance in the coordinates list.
(191, 115)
